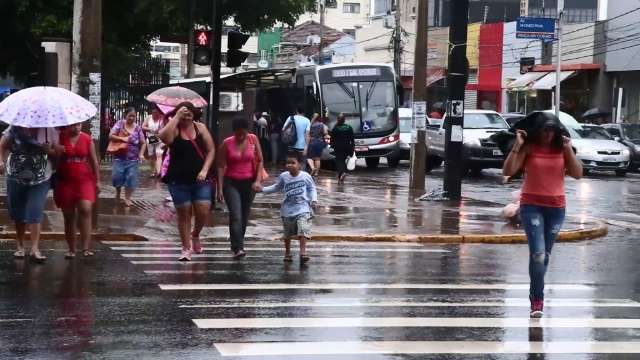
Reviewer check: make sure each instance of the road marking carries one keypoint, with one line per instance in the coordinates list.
(425, 347)
(281, 249)
(523, 302)
(577, 287)
(196, 256)
(14, 320)
(183, 263)
(272, 243)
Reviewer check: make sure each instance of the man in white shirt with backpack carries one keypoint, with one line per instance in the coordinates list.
(295, 134)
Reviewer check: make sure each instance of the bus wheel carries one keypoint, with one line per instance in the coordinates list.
(373, 162)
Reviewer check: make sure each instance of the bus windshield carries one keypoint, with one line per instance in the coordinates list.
(368, 105)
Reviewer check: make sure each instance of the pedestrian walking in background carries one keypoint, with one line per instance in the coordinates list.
(262, 132)
(26, 154)
(128, 138)
(240, 173)
(300, 197)
(302, 126)
(275, 128)
(151, 126)
(317, 133)
(77, 185)
(546, 156)
(343, 144)
(188, 176)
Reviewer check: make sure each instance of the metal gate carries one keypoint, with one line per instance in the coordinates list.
(148, 75)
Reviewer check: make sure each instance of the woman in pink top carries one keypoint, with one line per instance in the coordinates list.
(546, 157)
(239, 163)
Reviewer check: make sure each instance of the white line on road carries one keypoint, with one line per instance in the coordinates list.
(195, 256)
(14, 320)
(425, 347)
(274, 243)
(383, 322)
(577, 287)
(281, 249)
(510, 302)
(183, 263)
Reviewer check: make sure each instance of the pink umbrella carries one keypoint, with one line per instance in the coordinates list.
(174, 95)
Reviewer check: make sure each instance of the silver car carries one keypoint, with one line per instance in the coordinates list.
(598, 151)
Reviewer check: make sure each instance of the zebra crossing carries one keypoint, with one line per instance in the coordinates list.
(366, 299)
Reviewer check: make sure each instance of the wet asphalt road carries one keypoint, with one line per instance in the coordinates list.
(134, 301)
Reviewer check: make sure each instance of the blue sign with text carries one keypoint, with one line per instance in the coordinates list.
(535, 28)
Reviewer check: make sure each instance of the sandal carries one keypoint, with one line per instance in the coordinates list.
(70, 255)
(288, 258)
(87, 253)
(196, 245)
(239, 255)
(304, 259)
(19, 254)
(37, 258)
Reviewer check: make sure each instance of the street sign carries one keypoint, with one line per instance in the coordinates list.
(263, 64)
(420, 114)
(535, 28)
(456, 108)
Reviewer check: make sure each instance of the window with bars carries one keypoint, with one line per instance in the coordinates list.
(351, 8)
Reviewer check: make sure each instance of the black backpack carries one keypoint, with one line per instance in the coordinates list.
(289, 134)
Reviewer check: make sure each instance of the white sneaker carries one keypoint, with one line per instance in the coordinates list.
(185, 255)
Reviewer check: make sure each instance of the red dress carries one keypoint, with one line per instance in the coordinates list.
(75, 180)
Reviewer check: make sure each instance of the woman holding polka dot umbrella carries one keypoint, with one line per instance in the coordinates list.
(26, 151)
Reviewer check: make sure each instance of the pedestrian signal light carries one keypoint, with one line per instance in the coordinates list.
(202, 47)
(235, 42)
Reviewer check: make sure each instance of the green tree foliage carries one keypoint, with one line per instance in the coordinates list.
(128, 26)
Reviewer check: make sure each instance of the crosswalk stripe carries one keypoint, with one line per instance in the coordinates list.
(281, 249)
(183, 263)
(280, 286)
(272, 243)
(14, 320)
(384, 322)
(195, 256)
(425, 347)
(509, 302)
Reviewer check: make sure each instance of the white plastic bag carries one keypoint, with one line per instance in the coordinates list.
(351, 162)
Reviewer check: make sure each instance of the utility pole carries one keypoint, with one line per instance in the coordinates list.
(190, 67)
(419, 149)
(216, 45)
(397, 40)
(559, 60)
(458, 71)
(86, 70)
(320, 56)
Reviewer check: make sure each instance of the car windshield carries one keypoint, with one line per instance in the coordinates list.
(405, 125)
(484, 121)
(595, 132)
(375, 99)
(573, 133)
(631, 131)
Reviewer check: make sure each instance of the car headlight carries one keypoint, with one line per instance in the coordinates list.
(626, 152)
(585, 151)
(636, 148)
(471, 142)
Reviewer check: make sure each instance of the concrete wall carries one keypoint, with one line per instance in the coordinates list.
(64, 61)
(337, 19)
(578, 44)
(626, 59)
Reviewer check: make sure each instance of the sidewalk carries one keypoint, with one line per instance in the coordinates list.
(369, 207)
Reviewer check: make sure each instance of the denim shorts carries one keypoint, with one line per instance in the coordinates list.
(296, 226)
(185, 195)
(26, 202)
(125, 173)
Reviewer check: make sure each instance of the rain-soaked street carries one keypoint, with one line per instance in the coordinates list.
(355, 300)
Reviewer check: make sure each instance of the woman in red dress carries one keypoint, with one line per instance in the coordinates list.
(77, 183)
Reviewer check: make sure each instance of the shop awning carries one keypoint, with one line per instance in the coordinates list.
(525, 80)
(548, 82)
(434, 75)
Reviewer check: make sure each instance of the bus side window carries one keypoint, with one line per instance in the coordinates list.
(300, 82)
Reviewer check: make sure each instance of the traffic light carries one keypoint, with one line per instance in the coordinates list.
(235, 41)
(202, 47)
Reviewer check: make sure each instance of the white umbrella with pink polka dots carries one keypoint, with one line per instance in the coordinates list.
(44, 106)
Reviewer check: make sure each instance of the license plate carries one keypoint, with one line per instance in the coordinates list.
(609, 159)
(497, 153)
(362, 148)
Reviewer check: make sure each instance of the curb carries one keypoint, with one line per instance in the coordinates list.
(565, 236)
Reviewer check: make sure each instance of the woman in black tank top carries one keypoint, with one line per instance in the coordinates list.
(191, 158)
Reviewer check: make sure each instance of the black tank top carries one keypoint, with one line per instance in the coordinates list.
(185, 162)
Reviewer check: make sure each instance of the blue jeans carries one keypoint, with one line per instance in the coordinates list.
(125, 173)
(542, 225)
(26, 202)
(187, 195)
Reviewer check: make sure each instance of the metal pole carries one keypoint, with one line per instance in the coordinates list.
(559, 60)
(320, 56)
(216, 44)
(397, 41)
(419, 150)
(456, 79)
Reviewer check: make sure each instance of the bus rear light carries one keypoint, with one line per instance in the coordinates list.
(388, 139)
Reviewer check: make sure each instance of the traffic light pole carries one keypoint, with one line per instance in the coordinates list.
(419, 149)
(216, 45)
(456, 82)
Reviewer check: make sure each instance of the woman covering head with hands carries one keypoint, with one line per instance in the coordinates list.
(188, 176)
(240, 174)
(546, 156)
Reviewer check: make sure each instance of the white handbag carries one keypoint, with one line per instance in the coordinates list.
(351, 162)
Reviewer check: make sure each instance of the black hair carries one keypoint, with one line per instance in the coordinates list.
(300, 110)
(341, 119)
(129, 109)
(549, 121)
(197, 113)
(240, 123)
(295, 155)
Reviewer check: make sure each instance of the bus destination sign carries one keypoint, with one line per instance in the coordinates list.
(355, 72)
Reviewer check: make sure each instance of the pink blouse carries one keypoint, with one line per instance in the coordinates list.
(240, 166)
